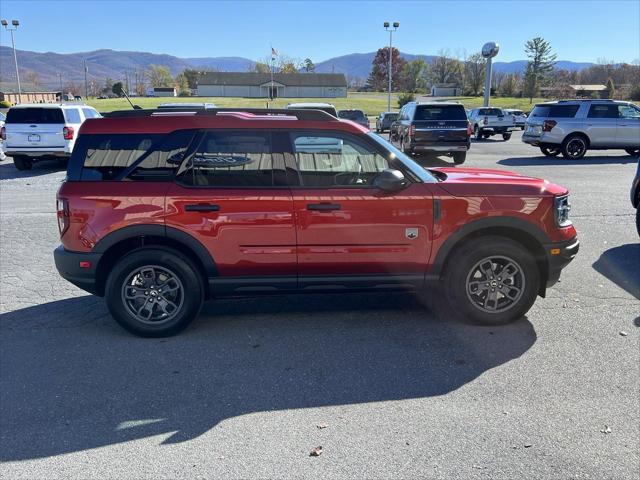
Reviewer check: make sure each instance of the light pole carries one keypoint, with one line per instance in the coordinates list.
(15, 24)
(489, 50)
(390, 30)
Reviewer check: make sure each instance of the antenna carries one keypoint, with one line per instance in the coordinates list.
(135, 107)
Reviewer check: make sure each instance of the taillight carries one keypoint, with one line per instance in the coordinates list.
(469, 129)
(67, 133)
(548, 125)
(411, 130)
(486, 120)
(3, 133)
(62, 208)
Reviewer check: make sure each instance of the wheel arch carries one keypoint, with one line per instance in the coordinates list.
(578, 133)
(119, 243)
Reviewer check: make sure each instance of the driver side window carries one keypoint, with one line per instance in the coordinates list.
(336, 161)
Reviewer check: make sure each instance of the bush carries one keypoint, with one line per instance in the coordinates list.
(405, 98)
(5, 104)
(635, 93)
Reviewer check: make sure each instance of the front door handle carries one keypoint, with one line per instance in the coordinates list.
(202, 207)
(323, 207)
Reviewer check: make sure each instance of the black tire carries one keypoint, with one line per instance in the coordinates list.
(458, 278)
(185, 291)
(477, 133)
(634, 152)
(574, 147)
(550, 151)
(405, 150)
(486, 135)
(506, 136)
(459, 157)
(638, 219)
(23, 163)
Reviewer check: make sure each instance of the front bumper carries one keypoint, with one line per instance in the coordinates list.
(559, 255)
(68, 265)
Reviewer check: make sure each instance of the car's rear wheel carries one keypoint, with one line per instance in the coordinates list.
(492, 281)
(23, 163)
(638, 219)
(459, 157)
(506, 136)
(403, 147)
(477, 133)
(634, 152)
(574, 147)
(154, 292)
(550, 151)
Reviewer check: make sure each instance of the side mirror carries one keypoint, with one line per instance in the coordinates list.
(390, 180)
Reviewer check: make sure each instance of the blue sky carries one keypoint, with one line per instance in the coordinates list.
(579, 30)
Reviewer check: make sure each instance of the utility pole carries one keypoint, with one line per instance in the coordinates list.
(86, 89)
(15, 24)
(61, 91)
(390, 30)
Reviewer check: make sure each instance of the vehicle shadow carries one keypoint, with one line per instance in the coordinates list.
(588, 160)
(621, 265)
(72, 380)
(8, 171)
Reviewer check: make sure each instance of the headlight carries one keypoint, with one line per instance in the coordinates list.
(562, 208)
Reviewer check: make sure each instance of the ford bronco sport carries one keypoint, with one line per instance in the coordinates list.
(163, 210)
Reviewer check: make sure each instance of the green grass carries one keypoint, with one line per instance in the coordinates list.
(371, 103)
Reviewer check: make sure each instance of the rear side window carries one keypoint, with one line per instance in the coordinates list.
(35, 115)
(557, 111)
(603, 111)
(72, 115)
(440, 113)
(90, 113)
(231, 159)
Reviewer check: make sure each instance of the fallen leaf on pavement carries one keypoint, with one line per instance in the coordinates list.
(322, 425)
(606, 429)
(316, 452)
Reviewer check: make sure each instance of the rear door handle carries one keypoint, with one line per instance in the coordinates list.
(202, 207)
(323, 207)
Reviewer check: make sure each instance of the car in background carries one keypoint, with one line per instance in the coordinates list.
(384, 121)
(186, 105)
(40, 131)
(572, 127)
(635, 195)
(2, 119)
(520, 116)
(325, 107)
(357, 116)
(435, 127)
(489, 121)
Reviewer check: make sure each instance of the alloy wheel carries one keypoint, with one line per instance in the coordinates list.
(495, 284)
(153, 294)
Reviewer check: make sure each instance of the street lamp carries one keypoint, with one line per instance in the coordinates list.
(388, 28)
(15, 24)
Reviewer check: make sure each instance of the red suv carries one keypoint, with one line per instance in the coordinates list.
(163, 210)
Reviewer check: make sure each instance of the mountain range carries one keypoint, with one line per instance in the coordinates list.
(51, 68)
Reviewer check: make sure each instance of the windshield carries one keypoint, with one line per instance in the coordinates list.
(351, 114)
(491, 111)
(419, 171)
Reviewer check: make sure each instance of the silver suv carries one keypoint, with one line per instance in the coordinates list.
(572, 127)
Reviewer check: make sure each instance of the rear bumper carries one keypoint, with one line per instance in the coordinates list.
(30, 152)
(559, 255)
(440, 146)
(68, 265)
(498, 129)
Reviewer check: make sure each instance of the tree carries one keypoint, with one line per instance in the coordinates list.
(540, 65)
(611, 89)
(413, 74)
(33, 78)
(159, 76)
(309, 66)
(378, 78)
(476, 67)
(444, 69)
(117, 89)
(192, 76)
(108, 86)
(182, 84)
(405, 98)
(288, 67)
(509, 85)
(261, 67)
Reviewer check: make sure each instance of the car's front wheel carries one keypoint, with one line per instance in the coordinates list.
(634, 152)
(154, 292)
(491, 281)
(574, 147)
(550, 151)
(22, 163)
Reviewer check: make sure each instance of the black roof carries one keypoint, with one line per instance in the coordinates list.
(288, 79)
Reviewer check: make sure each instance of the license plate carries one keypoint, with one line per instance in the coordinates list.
(34, 138)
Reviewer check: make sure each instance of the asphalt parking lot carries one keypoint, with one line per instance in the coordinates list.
(398, 392)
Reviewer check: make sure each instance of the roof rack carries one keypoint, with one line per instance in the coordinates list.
(300, 114)
(586, 100)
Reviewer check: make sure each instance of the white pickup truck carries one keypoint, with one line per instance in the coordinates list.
(489, 121)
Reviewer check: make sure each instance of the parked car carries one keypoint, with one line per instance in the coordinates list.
(158, 214)
(384, 121)
(572, 127)
(489, 121)
(635, 195)
(357, 116)
(325, 107)
(187, 105)
(435, 127)
(520, 116)
(39, 131)
(2, 119)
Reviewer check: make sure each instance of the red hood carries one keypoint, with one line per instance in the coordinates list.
(480, 181)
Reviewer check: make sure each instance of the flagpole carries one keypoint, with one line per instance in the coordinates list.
(272, 65)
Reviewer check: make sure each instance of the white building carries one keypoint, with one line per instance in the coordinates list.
(445, 90)
(162, 92)
(259, 85)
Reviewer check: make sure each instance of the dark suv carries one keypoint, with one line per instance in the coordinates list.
(436, 127)
(163, 210)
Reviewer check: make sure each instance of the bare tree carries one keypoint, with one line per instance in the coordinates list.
(444, 68)
(475, 67)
